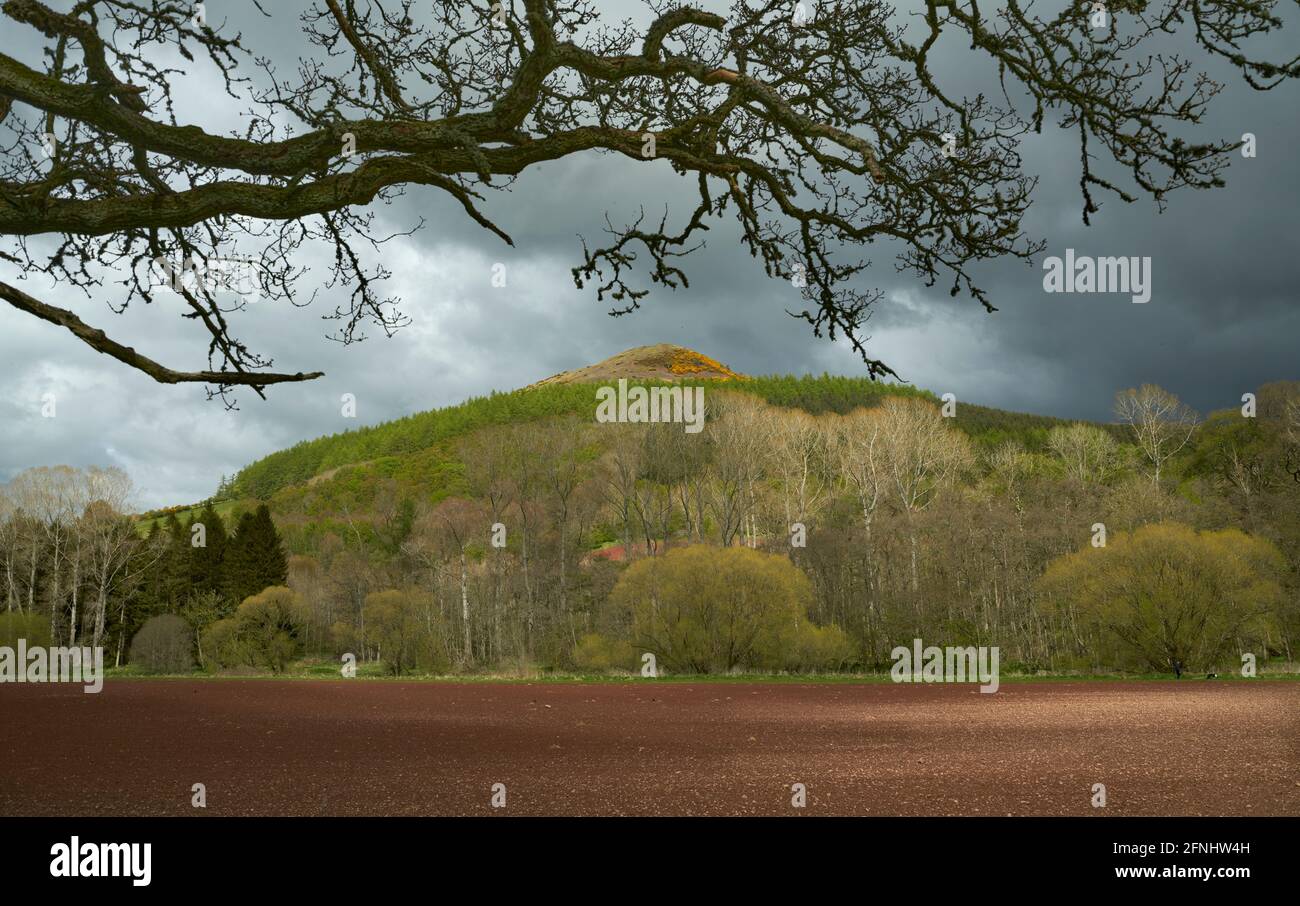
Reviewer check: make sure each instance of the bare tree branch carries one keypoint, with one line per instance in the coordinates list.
(96, 339)
(820, 134)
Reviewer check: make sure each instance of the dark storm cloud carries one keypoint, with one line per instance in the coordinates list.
(1222, 318)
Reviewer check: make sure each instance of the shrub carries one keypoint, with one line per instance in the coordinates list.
(267, 627)
(703, 609)
(343, 637)
(393, 625)
(163, 645)
(822, 648)
(601, 653)
(33, 627)
(220, 644)
(264, 632)
(1167, 597)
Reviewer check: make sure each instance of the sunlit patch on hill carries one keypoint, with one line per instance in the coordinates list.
(660, 362)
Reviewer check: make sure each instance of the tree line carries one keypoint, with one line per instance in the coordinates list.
(1164, 543)
(902, 524)
(77, 570)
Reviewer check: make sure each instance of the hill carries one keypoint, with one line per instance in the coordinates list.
(516, 532)
(418, 450)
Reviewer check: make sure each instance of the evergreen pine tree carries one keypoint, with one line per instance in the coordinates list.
(147, 567)
(174, 567)
(236, 570)
(255, 557)
(206, 561)
(272, 562)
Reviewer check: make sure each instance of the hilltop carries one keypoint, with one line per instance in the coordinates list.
(660, 362)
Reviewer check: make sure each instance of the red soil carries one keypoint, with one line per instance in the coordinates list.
(357, 747)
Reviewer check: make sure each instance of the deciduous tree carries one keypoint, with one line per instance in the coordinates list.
(1172, 598)
(1161, 423)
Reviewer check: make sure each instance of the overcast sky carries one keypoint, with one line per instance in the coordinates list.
(1222, 318)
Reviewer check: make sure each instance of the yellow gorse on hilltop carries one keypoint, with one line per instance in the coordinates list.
(689, 362)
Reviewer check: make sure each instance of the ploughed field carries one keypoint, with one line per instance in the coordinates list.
(357, 747)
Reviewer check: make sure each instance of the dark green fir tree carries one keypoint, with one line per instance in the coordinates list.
(255, 557)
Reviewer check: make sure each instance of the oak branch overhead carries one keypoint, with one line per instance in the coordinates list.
(819, 128)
